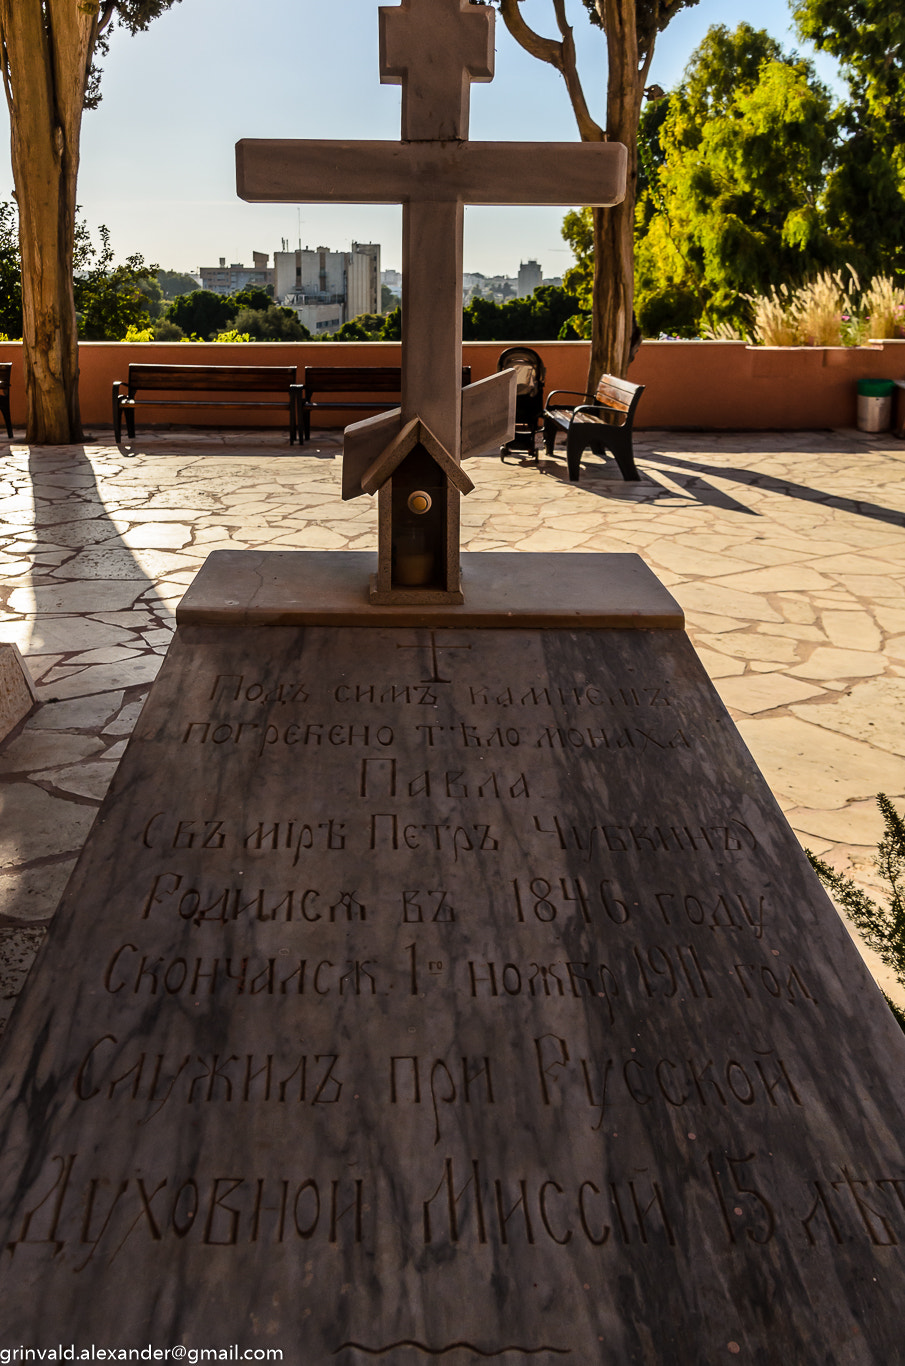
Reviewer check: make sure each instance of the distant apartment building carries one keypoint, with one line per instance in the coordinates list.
(224, 279)
(530, 278)
(393, 281)
(327, 288)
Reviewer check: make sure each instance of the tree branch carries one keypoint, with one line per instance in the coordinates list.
(544, 48)
(560, 55)
(107, 12)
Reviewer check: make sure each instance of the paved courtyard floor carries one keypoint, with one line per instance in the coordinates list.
(786, 550)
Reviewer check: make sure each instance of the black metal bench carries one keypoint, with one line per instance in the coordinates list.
(226, 380)
(329, 386)
(603, 423)
(6, 370)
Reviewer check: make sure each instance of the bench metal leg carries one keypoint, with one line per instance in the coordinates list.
(576, 440)
(621, 446)
(4, 409)
(550, 430)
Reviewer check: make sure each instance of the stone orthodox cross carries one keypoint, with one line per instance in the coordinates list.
(434, 49)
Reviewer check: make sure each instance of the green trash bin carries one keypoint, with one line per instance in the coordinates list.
(875, 404)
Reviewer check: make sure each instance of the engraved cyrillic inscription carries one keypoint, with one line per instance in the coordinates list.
(486, 694)
(604, 1085)
(101, 1216)
(383, 778)
(727, 836)
(260, 737)
(109, 1071)
(553, 897)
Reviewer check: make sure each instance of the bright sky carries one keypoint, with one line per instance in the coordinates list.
(157, 156)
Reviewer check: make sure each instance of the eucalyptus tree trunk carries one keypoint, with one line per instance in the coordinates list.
(614, 229)
(612, 311)
(46, 56)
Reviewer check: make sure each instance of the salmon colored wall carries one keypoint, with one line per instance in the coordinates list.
(703, 385)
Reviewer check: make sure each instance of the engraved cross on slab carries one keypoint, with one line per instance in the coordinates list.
(434, 49)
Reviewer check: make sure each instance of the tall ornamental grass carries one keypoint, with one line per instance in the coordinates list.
(830, 310)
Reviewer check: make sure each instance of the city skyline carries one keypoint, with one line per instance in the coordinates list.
(204, 79)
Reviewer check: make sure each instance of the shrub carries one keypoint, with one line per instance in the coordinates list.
(881, 927)
(270, 324)
(166, 330)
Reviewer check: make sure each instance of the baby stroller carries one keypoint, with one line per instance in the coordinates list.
(529, 401)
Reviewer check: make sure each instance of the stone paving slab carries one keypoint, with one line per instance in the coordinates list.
(785, 549)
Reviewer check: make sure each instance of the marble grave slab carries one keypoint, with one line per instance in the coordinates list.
(450, 993)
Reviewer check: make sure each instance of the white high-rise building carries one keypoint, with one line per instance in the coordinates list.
(327, 288)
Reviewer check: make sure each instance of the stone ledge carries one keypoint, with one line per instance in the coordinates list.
(506, 589)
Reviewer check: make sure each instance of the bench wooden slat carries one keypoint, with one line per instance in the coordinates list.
(216, 378)
(603, 422)
(343, 380)
(207, 380)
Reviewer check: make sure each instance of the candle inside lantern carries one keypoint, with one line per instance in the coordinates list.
(413, 559)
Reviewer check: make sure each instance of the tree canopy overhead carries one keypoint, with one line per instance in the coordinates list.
(868, 39)
(751, 177)
(866, 191)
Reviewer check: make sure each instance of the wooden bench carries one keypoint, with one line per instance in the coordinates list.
(339, 381)
(6, 370)
(205, 380)
(603, 423)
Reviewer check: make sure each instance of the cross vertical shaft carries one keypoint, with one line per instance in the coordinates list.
(434, 49)
(432, 317)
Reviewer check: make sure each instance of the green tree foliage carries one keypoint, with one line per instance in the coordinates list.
(392, 326)
(166, 330)
(868, 39)
(173, 283)
(268, 324)
(548, 314)
(734, 164)
(881, 927)
(865, 193)
(388, 300)
(109, 299)
(202, 313)
(134, 16)
(10, 273)
(253, 296)
(578, 280)
(366, 327)
(154, 299)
